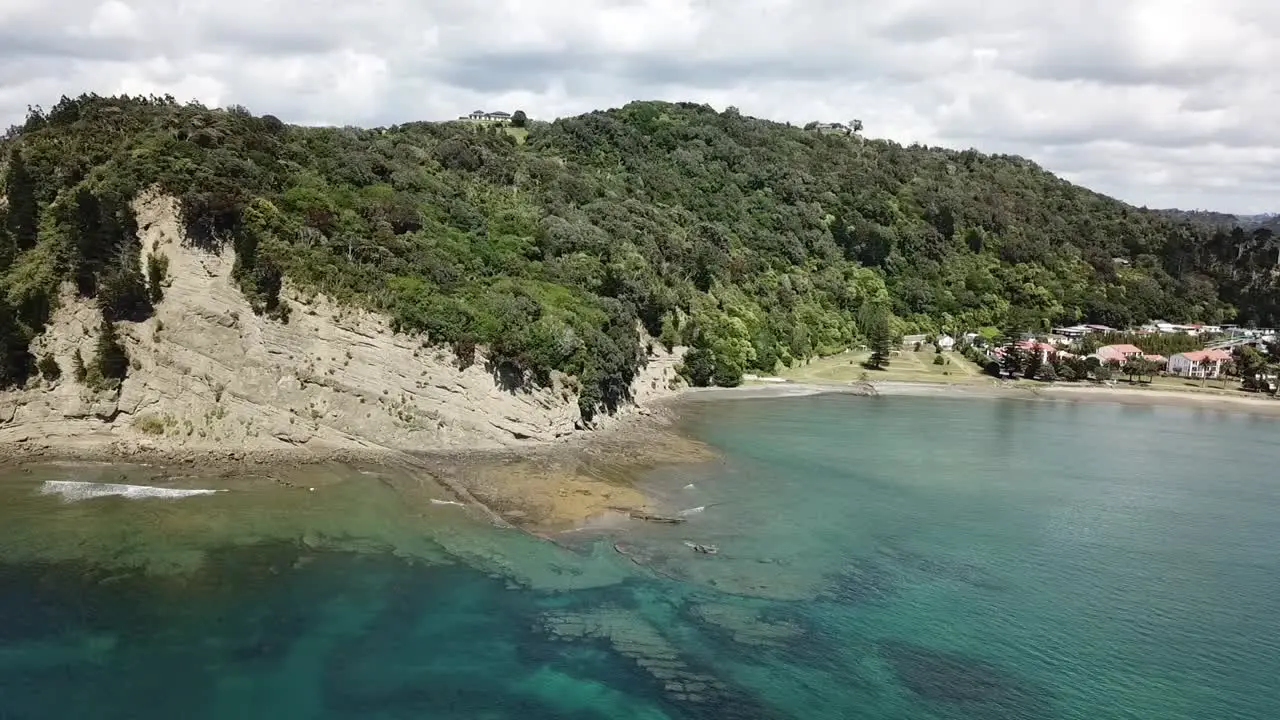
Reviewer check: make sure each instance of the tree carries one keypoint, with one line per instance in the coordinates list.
(24, 212)
(1139, 366)
(1273, 351)
(16, 361)
(1046, 373)
(880, 339)
(519, 119)
(49, 367)
(1033, 361)
(1015, 360)
(699, 367)
(1228, 368)
(111, 362)
(78, 370)
(1251, 364)
(1065, 371)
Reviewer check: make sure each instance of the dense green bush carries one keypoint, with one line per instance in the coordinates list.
(49, 368)
(755, 243)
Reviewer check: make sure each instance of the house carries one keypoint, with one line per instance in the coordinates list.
(945, 342)
(1199, 364)
(482, 115)
(1075, 332)
(1117, 353)
(1047, 351)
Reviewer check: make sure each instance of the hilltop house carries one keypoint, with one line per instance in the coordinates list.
(1199, 364)
(482, 115)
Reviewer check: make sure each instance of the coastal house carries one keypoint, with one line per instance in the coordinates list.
(1117, 353)
(1047, 351)
(1199, 364)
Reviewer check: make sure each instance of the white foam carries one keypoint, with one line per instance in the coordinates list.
(692, 511)
(73, 490)
(446, 502)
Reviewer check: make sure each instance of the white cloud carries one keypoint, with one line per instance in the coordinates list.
(1159, 102)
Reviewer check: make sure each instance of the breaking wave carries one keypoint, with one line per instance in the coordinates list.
(72, 490)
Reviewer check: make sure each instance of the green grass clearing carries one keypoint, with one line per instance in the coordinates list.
(904, 366)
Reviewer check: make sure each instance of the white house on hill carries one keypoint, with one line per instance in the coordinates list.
(482, 115)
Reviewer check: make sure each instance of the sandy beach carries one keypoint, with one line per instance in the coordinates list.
(1224, 400)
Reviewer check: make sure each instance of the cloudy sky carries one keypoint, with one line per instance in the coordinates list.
(1159, 102)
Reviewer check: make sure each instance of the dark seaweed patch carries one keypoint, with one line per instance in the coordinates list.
(860, 582)
(959, 680)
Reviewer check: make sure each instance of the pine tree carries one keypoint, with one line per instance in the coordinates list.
(23, 219)
(112, 362)
(880, 339)
(7, 250)
(78, 370)
(90, 241)
(1015, 360)
(16, 361)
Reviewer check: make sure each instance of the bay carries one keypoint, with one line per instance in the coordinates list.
(887, 557)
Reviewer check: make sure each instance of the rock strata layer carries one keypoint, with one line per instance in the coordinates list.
(207, 373)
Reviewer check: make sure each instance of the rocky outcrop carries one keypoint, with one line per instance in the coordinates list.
(206, 372)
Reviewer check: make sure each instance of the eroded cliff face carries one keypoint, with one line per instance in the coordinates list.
(208, 373)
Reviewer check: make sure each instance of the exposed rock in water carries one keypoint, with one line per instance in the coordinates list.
(207, 373)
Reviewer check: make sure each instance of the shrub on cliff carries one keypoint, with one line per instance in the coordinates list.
(111, 361)
(49, 368)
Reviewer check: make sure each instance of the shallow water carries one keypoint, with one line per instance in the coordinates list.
(877, 558)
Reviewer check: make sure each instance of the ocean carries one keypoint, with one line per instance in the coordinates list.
(877, 558)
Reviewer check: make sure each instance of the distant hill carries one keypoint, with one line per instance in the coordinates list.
(753, 242)
(1217, 219)
(1202, 217)
(1270, 221)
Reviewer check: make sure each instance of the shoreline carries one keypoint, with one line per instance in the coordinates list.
(997, 390)
(545, 488)
(632, 434)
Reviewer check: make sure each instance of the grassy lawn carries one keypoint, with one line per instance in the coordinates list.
(520, 134)
(904, 365)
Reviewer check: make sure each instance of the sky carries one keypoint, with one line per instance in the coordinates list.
(1163, 103)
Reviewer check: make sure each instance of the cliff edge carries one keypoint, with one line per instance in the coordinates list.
(208, 374)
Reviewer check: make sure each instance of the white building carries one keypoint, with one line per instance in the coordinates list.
(945, 342)
(1199, 364)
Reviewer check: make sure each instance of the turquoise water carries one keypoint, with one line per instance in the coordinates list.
(878, 558)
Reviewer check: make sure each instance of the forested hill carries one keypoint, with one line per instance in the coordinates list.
(754, 242)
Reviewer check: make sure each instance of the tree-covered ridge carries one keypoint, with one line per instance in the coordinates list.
(756, 243)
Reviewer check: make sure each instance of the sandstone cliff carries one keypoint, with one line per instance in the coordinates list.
(209, 374)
